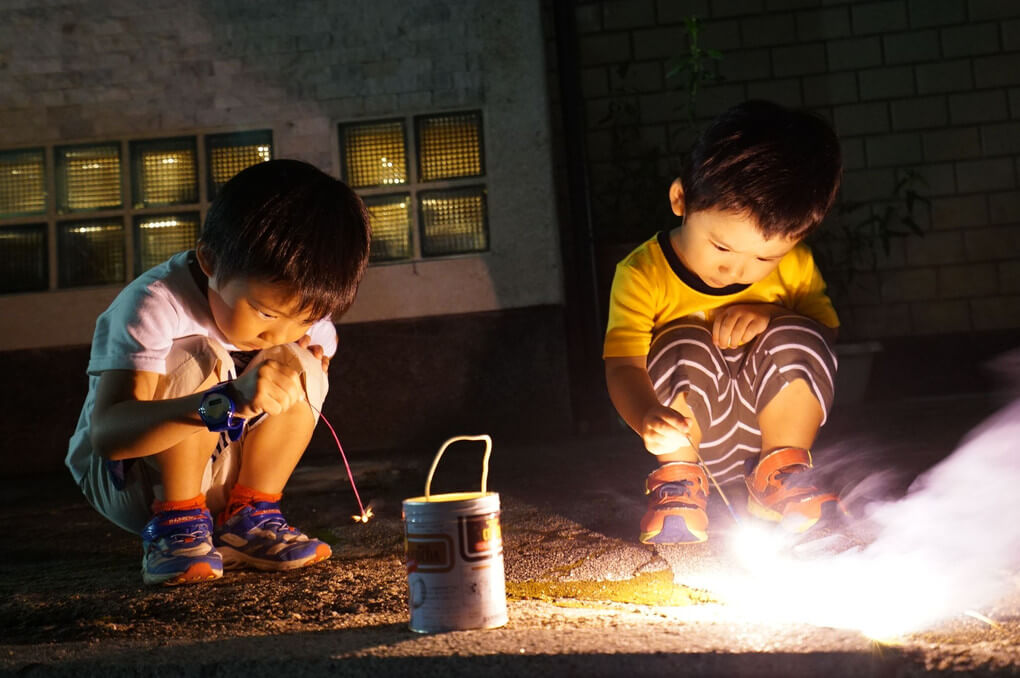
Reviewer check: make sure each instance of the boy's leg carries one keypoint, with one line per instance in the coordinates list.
(177, 539)
(701, 382)
(689, 373)
(793, 368)
(252, 529)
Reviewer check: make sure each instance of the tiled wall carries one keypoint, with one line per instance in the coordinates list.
(82, 71)
(928, 85)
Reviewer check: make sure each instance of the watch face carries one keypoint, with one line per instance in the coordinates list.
(216, 406)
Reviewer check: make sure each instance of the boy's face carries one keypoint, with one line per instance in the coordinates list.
(253, 314)
(726, 248)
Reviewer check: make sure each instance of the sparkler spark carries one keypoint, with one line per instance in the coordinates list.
(949, 546)
(366, 514)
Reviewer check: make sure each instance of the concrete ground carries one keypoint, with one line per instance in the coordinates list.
(584, 597)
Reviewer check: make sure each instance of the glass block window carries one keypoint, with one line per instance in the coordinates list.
(228, 154)
(22, 182)
(165, 172)
(159, 237)
(373, 154)
(88, 177)
(453, 221)
(90, 252)
(391, 226)
(24, 258)
(449, 146)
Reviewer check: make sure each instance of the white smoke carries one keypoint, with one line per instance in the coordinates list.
(949, 546)
(953, 541)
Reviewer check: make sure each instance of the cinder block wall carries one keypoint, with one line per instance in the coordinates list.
(928, 85)
(115, 70)
(432, 348)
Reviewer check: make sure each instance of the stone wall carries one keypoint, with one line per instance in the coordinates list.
(114, 70)
(926, 85)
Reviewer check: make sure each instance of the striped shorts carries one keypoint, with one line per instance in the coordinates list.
(726, 388)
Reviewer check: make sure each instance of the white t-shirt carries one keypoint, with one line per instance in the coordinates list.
(138, 329)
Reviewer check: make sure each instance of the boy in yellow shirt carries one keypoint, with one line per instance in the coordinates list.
(718, 341)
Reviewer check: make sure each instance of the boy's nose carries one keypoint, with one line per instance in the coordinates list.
(271, 337)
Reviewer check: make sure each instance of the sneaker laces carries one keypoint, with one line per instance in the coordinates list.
(200, 533)
(196, 530)
(274, 521)
(679, 488)
(794, 476)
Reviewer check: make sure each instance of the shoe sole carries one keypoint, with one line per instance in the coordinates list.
(235, 560)
(674, 531)
(195, 574)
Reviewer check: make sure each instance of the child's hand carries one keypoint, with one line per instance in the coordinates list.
(664, 430)
(317, 351)
(269, 387)
(740, 323)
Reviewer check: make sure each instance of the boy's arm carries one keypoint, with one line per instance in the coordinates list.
(662, 428)
(128, 423)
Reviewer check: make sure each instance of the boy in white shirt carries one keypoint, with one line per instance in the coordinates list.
(207, 373)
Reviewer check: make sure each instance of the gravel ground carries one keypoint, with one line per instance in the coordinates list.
(584, 596)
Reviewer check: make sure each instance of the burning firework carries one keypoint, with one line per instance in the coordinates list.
(949, 546)
(366, 514)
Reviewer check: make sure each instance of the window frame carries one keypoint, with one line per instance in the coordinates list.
(415, 185)
(129, 215)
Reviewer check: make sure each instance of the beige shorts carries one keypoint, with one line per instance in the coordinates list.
(194, 364)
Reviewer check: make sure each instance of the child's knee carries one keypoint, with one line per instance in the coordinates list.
(193, 364)
(313, 377)
(786, 330)
(683, 340)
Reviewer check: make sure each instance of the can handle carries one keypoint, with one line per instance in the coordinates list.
(439, 454)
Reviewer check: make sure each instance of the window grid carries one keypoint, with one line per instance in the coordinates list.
(374, 154)
(449, 146)
(453, 221)
(72, 248)
(23, 182)
(159, 237)
(91, 252)
(24, 258)
(391, 226)
(447, 219)
(228, 154)
(88, 178)
(165, 172)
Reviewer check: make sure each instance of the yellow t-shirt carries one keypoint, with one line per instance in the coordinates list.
(648, 292)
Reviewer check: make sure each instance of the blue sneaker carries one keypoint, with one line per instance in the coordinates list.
(178, 548)
(257, 535)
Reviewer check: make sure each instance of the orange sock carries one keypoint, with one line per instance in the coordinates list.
(179, 504)
(242, 496)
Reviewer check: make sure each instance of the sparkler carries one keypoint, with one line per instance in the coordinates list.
(942, 551)
(366, 513)
(714, 481)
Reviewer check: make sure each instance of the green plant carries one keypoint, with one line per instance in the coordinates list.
(859, 234)
(694, 67)
(630, 187)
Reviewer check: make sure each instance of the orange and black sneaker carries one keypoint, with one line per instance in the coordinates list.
(677, 495)
(780, 489)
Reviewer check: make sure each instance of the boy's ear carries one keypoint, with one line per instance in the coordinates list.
(206, 260)
(676, 197)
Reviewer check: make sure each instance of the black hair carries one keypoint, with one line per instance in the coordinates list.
(781, 166)
(285, 221)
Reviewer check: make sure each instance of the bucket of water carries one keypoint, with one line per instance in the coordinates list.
(453, 549)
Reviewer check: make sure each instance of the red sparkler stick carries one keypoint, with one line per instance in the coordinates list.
(364, 515)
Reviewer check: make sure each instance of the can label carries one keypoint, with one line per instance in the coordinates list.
(480, 537)
(455, 572)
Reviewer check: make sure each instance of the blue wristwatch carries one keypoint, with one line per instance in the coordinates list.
(217, 411)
